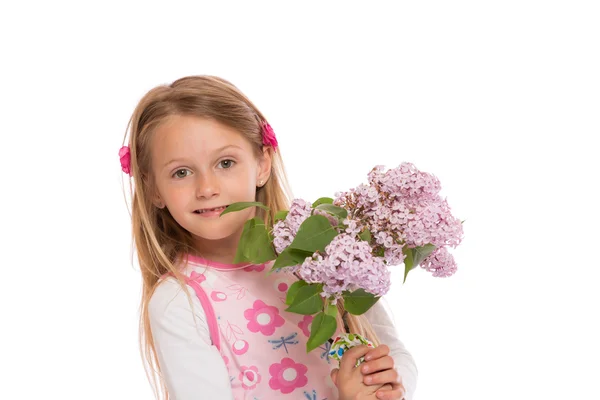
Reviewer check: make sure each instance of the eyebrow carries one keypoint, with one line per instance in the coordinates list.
(220, 149)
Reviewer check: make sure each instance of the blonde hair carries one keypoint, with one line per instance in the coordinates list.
(158, 239)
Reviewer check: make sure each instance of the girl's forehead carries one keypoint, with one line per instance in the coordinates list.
(189, 134)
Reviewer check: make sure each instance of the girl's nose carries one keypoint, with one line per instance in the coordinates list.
(206, 186)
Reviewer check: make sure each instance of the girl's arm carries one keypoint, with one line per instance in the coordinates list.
(404, 363)
(191, 366)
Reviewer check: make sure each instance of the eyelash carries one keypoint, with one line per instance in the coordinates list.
(185, 169)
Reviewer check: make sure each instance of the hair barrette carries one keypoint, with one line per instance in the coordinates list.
(268, 135)
(125, 158)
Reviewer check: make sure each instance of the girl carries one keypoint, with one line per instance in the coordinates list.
(211, 329)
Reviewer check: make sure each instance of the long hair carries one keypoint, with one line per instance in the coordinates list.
(158, 239)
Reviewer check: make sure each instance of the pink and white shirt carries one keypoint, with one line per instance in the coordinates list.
(233, 340)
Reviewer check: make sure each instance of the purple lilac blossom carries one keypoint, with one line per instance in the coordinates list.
(285, 231)
(440, 263)
(348, 264)
(400, 207)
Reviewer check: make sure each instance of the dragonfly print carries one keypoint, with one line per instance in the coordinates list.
(326, 348)
(284, 341)
(312, 396)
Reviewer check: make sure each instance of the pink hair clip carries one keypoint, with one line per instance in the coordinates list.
(269, 138)
(125, 158)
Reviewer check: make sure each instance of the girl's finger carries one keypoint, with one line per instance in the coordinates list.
(379, 364)
(378, 352)
(351, 356)
(333, 375)
(387, 376)
(396, 393)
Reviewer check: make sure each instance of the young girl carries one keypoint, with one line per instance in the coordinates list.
(211, 329)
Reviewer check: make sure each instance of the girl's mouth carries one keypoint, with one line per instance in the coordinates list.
(211, 211)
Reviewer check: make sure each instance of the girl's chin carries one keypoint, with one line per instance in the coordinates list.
(213, 234)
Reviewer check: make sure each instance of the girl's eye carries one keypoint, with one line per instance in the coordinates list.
(181, 173)
(227, 163)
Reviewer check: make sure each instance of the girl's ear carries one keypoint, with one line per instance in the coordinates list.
(156, 200)
(264, 165)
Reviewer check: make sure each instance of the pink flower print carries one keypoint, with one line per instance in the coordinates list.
(287, 375)
(254, 267)
(305, 324)
(263, 318)
(218, 296)
(249, 377)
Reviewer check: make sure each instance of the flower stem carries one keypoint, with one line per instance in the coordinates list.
(345, 319)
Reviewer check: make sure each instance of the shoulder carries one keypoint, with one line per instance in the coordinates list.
(172, 306)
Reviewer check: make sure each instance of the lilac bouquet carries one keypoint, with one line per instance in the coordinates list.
(342, 247)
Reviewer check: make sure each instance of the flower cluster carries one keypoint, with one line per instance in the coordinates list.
(398, 217)
(440, 263)
(401, 207)
(284, 231)
(348, 264)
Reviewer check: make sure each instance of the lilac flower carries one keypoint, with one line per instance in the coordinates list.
(352, 227)
(285, 231)
(400, 207)
(441, 263)
(347, 265)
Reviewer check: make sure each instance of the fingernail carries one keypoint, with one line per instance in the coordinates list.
(368, 379)
(366, 368)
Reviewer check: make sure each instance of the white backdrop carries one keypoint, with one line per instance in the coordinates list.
(500, 100)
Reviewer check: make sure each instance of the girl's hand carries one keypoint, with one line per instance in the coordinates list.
(378, 369)
(349, 380)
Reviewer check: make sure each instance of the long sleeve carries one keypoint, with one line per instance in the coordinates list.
(191, 366)
(404, 363)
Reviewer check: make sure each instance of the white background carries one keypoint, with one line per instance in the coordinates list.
(500, 100)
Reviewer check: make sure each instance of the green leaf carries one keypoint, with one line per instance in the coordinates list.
(322, 329)
(421, 253)
(308, 300)
(338, 212)
(280, 215)
(414, 257)
(359, 301)
(254, 245)
(365, 235)
(314, 234)
(290, 257)
(243, 205)
(331, 310)
(293, 290)
(408, 261)
(242, 248)
(322, 200)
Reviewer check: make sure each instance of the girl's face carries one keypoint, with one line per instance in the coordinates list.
(201, 164)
